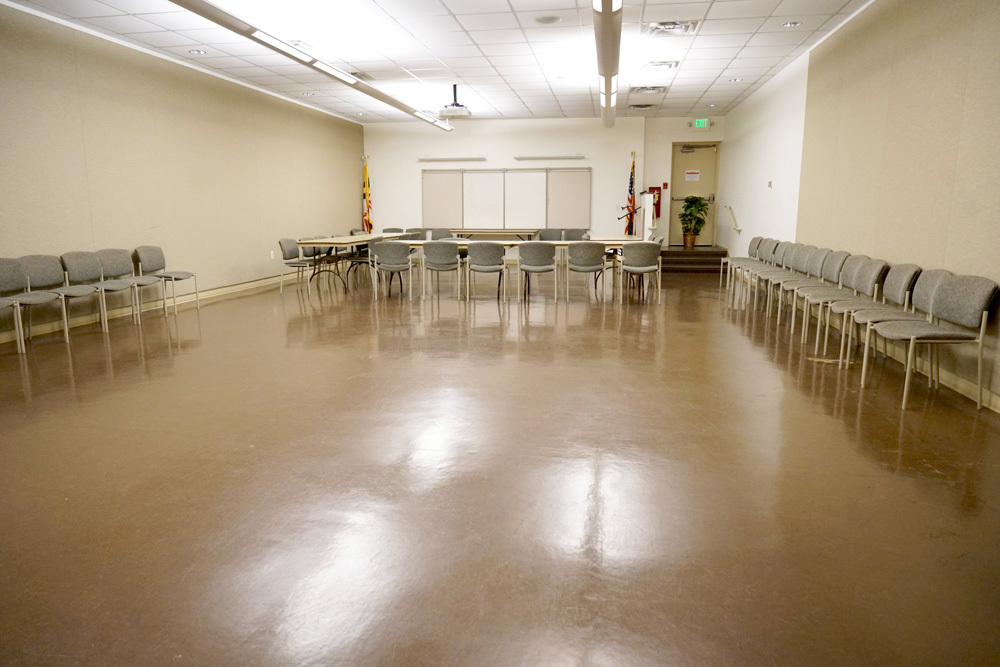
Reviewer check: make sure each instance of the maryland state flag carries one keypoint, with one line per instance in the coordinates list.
(630, 207)
(366, 206)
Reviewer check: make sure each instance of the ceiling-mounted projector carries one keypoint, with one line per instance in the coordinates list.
(454, 110)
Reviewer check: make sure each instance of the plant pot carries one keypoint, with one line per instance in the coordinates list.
(689, 240)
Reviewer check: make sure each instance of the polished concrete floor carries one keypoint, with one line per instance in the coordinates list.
(317, 480)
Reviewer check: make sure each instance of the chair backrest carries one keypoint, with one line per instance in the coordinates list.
(656, 238)
(44, 271)
(357, 232)
(924, 288)
(81, 267)
(754, 245)
(849, 272)
(765, 251)
(963, 299)
(395, 253)
(587, 253)
(537, 253)
(151, 258)
(868, 278)
(486, 253)
(441, 253)
(440, 233)
(801, 258)
(833, 265)
(392, 230)
(780, 250)
(115, 262)
(13, 279)
(642, 253)
(289, 249)
(418, 230)
(574, 234)
(550, 234)
(898, 282)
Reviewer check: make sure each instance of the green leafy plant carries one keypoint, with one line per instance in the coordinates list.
(693, 214)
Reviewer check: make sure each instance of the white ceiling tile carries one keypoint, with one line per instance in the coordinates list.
(268, 60)
(209, 35)
(503, 21)
(684, 11)
(738, 9)
(551, 34)
(520, 70)
(240, 46)
(457, 51)
(497, 36)
(478, 80)
(246, 71)
(755, 62)
(765, 51)
(507, 49)
(123, 24)
(79, 8)
(566, 18)
(224, 62)
(412, 7)
(706, 54)
(708, 63)
(290, 87)
(424, 24)
(440, 73)
(266, 80)
(474, 71)
(791, 37)
(178, 21)
(719, 41)
(466, 62)
(776, 23)
(142, 6)
(729, 26)
(747, 73)
(683, 75)
(834, 21)
(513, 61)
(184, 52)
(477, 6)
(164, 38)
(793, 7)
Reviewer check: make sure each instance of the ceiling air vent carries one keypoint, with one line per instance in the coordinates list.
(641, 107)
(648, 90)
(672, 27)
(362, 76)
(664, 64)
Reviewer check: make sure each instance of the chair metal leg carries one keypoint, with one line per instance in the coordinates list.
(909, 371)
(864, 363)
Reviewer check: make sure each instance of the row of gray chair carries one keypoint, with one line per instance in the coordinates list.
(35, 280)
(900, 303)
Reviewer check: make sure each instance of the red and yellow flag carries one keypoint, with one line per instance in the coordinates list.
(366, 206)
(630, 207)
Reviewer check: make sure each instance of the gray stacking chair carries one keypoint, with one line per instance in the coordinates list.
(826, 294)
(575, 234)
(829, 278)
(439, 233)
(291, 259)
(116, 263)
(865, 283)
(15, 316)
(14, 286)
(964, 301)
(392, 258)
(420, 232)
(45, 272)
(639, 259)
(729, 264)
(392, 230)
(813, 270)
(152, 263)
(486, 257)
(440, 256)
(588, 257)
(536, 257)
(550, 234)
(84, 268)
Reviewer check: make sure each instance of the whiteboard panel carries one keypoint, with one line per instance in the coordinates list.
(483, 200)
(569, 198)
(524, 199)
(442, 199)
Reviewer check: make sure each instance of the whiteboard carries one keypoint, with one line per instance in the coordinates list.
(569, 199)
(483, 199)
(524, 199)
(442, 199)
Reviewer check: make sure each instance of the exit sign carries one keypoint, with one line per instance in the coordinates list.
(701, 124)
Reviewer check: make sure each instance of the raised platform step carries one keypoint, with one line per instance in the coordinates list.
(704, 258)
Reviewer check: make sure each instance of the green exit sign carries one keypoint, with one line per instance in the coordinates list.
(701, 123)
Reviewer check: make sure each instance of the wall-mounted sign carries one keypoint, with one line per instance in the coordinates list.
(692, 175)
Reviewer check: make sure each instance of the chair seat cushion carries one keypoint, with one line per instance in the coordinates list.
(113, 285)
(898, 330)
(442, 267)
(74, 291)
(641, 269)
(586, 268)
(393, 267)
(33, 298)
(143, 281)
(850, 305)
(486, 268)
(885, 314)
(538, 269)
(174, 275)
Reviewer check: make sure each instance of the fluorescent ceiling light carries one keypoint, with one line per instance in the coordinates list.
(423, 115)
(279, 45)
(333, 71)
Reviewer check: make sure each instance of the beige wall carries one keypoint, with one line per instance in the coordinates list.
(900, 156)
(104, 146)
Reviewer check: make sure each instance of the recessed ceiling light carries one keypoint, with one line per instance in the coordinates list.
(736, 80)
(308, 94)
(711, 105)
(792, 24)
(362, 113)
(548, 19)
(197, 52)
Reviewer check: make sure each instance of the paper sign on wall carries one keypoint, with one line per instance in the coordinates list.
(692, 175)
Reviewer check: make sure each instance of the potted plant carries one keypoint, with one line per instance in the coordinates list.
(693, 214)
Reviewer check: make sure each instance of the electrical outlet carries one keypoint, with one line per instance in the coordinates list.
(272, 254)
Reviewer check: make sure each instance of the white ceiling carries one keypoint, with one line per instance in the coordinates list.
(506, 62)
